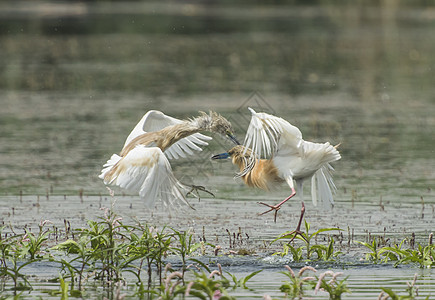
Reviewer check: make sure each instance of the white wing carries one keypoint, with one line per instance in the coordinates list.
(268, 134)
(145, 170)
(322, 186)
(156, 120)
(184, 147)
(153, 120)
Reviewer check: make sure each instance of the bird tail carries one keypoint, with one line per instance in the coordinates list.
(173, 195)
(322, 186)
(108, 166)
(319, 154)
(330, 153)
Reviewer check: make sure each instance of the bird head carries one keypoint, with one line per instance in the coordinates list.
(241, 156)
(215, 122)
(237, 153)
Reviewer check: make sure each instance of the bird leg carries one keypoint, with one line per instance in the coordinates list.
(194, 190)
(298, 229)
(278, 206)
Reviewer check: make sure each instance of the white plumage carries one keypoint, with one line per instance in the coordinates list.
(143, 165)
(274, 138)
(147, 171)
(155, 120)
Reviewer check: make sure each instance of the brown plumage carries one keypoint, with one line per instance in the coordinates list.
(143, 165)
(263, 175)
(163, 138)
(287, 157)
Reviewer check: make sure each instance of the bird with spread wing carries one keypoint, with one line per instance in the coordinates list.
(143, 166)
(274, 152)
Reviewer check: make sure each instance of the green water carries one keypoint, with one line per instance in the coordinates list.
(76, 77)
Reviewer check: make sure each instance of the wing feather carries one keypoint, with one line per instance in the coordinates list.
(322, 186)
(267, 134)
(155, 120)
(147, 171)
(184, 147)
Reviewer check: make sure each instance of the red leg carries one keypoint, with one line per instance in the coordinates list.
(278, 206)
(298, 229)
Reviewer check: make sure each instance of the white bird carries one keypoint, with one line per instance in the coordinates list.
(280, 154)
(143, 165)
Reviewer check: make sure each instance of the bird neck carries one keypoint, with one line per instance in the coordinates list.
(172, 134)
(240, 162)
(163, 138)
(263, 174)
(203, 122)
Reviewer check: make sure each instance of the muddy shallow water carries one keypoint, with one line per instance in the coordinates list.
(73, 83)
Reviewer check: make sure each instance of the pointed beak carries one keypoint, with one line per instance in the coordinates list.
(233, 138)
(221, 156)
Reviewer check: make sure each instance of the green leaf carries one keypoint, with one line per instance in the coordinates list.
(323, 230)
(245, 279)
(390, 293)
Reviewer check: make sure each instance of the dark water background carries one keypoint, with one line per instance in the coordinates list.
(75, 77)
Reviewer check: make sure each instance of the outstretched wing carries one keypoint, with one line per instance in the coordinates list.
(155, 120)
(147, 171)
(267, 134)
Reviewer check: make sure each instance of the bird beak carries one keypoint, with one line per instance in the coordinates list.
(233, 138)
(221, 156)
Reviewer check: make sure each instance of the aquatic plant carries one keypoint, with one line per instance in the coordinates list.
(323, 252)
(185, 247)
(326, 253)
(78, 265)
(170, 289)
(32, 243)
(411, 290)
(296, 253)
(240, 282)
(15, 248)
(375, 254)
(147, 245)
(333, 287)
(107, 249)
(97, 251)
(424, 256)
(297, 285)
(63, 289)
(12, 262)
(211, 286)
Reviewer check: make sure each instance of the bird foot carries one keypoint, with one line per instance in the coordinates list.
(274, 208)
(298, 228)
(296, 233)
(194, 190)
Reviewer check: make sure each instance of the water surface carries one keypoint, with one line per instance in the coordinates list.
(76, 77)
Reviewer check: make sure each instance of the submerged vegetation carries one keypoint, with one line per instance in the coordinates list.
(324, 252)
(110, 253)
(422, 256)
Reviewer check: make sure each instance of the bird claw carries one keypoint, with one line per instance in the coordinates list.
(274, 208)
(298, 228)
(296, 233)
(195, 189)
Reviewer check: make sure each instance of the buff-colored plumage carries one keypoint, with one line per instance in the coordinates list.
(143, 166)
(280, 154)
(295, 159)
(263, 175)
